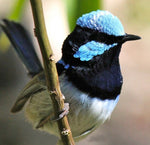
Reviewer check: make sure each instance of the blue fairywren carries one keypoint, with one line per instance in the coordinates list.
(89, 73)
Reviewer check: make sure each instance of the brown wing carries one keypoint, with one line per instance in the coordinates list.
(35, 85)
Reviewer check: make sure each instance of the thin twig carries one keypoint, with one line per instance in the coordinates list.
(50, 71)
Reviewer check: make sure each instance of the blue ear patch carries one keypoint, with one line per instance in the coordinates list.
(87, 51)
(102, 21)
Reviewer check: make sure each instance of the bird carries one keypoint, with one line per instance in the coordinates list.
(89, 73)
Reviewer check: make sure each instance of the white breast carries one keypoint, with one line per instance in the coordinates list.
(85, 113)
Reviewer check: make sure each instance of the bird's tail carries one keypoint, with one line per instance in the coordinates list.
(23, 45)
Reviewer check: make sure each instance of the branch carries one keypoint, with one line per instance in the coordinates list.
(50, 71)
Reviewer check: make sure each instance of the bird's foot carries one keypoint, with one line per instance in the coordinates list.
(63, 113)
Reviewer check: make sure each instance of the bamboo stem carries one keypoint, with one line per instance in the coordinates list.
(50, 71)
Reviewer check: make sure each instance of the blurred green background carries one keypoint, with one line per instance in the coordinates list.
(130, 122)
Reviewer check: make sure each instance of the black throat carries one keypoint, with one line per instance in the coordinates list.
(101, 78)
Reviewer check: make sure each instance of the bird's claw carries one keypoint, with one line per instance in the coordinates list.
(64, 112)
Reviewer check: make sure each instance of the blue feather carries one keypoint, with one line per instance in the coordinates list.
(23, 46)
(66, 66)
(102, 21)
(87, 51)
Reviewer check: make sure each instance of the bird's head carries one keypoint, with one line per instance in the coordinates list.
(96, 34)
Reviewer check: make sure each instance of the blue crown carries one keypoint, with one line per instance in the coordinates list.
(102, 21)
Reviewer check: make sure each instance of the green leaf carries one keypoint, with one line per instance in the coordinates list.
(15, 14)
(75, 8)
(17, 10)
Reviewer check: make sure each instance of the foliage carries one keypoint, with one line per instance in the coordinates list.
(15, 14)
(75, 8)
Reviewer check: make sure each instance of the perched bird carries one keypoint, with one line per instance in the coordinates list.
(89, 73)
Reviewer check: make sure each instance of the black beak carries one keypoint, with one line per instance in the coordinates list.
(130, 37)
